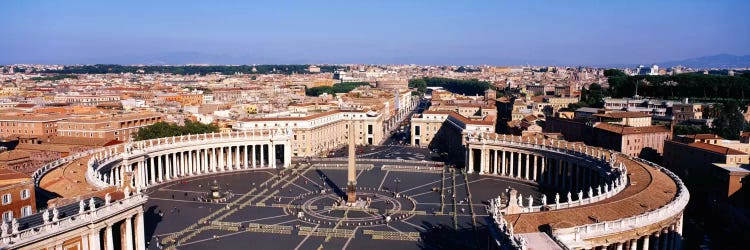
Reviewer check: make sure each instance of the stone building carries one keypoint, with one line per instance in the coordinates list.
(17, 193)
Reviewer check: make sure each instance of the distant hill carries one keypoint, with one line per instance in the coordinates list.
(723, 61)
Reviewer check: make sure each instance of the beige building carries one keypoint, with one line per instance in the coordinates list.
(446, 131)
(317, 133)
(630, 119)
(110, 126)
(686, 111)
(28, 125)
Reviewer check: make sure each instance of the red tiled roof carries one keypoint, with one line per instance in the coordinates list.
(716, 148)
(703, 136)
(625, 130)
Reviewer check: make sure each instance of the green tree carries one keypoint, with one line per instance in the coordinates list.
(730, 121)
(316, 91)
(419, 84)
(614, 73)
(164, 129)
(465, 87)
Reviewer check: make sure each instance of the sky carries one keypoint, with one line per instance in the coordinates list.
(500, 32)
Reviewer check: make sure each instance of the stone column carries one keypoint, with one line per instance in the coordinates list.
(110, 240)
(496, 163)
(237, 163)
(137, 180)
(645, 244)
(191, 163)
(253, 155)
(159, 171)
(618, 246)
(502, 164)
(85, 241)
(230, 166)
(511, 165)
(140, 238)
(168, 174)
(184, 164)
(163, 162)
(128, 244)
(197, 162)
(526, 171)
(470, 167)
(151, 171)
(207, 161)
(287, 154)
(534, 172)
(519, 167)
(245, 157)
(222, 160)
(94, 239)
(633, 245)
(482, 160)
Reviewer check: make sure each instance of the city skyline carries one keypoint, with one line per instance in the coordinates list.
(484, 32)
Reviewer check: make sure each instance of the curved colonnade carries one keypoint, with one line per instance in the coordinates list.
(609, 200)
(579, 174)
(121, 171)
(148, 163)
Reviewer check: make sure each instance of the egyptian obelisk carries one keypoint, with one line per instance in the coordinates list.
(351, 184)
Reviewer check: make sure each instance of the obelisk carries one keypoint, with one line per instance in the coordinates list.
(351, 184)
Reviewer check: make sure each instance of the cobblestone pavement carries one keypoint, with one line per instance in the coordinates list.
(261, 210)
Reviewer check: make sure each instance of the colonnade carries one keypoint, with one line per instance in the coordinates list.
(539, 167)
(102, 235)
(667, 238)
(161, 166)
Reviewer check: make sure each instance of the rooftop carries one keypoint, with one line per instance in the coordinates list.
(620, 115)
(625, 130)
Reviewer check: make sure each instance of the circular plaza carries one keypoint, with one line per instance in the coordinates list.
(410, 206)
(241, 190)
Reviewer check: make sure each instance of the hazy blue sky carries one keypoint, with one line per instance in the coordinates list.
(429, 31)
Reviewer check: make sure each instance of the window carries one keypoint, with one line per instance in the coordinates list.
(25, 194)
(8, 216)
(26, 211)
(6, 199)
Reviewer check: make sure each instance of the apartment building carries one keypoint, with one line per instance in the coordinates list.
(119, 127)
(17, 193)
(13, 125)
(87, 100)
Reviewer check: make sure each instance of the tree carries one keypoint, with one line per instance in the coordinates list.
(730, 121)
(316, 91)
(465, 87)
(164, 129)
(419, 84)
(614, 73)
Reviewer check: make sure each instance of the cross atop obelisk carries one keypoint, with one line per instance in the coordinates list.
(351, 184)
